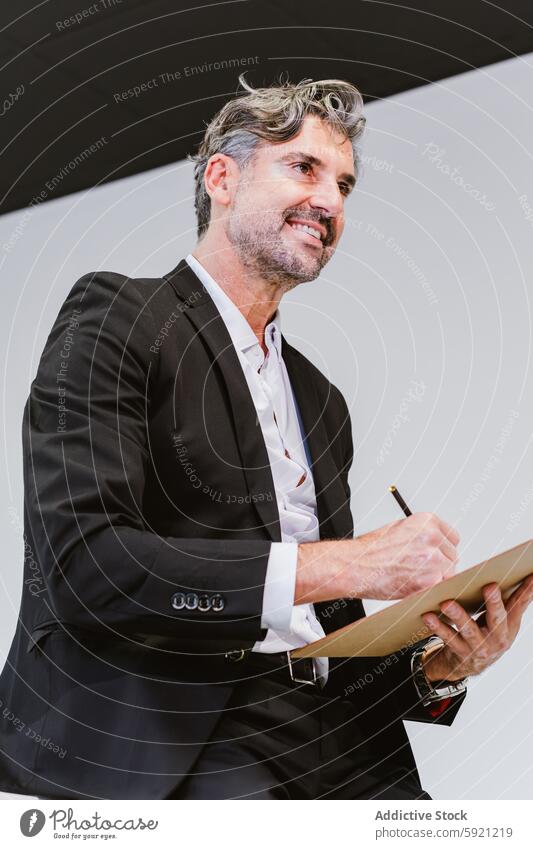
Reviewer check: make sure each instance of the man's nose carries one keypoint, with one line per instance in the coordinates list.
(328, 197)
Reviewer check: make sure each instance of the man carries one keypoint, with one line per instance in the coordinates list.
(187, 517)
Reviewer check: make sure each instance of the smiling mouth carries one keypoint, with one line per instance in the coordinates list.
(306, 233)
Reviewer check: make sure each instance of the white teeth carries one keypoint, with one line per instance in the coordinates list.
(307, 229)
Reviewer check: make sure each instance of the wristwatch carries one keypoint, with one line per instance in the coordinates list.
(433, 691)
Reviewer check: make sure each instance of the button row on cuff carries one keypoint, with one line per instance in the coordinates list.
(198, 601)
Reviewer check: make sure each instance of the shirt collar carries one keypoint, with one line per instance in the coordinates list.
(240, 331)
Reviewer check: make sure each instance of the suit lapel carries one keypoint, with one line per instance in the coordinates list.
(325, 472)
(204, 315)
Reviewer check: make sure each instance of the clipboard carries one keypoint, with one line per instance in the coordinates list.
(399, 625)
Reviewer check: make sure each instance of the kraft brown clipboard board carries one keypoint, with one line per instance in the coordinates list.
(400, 625)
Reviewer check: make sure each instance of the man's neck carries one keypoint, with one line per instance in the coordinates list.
(256, 298)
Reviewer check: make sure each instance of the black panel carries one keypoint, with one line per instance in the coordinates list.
(70, 75)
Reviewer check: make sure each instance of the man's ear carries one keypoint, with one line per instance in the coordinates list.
(221, 177)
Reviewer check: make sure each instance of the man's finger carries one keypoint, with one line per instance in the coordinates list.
(451, 533)
(496, 612)
(467, 627)
(450, 636)
(448, 550)
(519, 600)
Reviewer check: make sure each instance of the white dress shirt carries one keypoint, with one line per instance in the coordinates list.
(289, 625)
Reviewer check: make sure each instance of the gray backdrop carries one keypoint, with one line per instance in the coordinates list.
(423, 319)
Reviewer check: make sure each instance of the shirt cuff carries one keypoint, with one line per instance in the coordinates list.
(280, 581)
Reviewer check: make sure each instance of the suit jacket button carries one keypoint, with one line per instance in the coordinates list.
(218, 602)
(191, 601)
(204, 602)
(178, 601)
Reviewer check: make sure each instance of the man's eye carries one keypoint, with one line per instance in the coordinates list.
(303, 165)
(344, 187)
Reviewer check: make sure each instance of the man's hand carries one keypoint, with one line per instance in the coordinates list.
(391, 562)
(472, 647)
(405, 556)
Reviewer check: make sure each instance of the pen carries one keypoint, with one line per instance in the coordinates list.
(400, 500)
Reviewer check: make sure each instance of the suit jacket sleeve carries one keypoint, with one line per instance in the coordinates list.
(86, 453)
(388, 681)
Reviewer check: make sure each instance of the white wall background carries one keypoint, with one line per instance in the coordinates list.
(423, 319)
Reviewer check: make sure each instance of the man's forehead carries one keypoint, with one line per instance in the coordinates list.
(317, 140)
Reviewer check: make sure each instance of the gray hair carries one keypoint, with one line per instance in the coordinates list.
(273, 114)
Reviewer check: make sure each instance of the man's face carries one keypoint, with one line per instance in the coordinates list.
(290, 186)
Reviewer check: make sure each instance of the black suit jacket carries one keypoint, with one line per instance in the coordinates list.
(146, 477)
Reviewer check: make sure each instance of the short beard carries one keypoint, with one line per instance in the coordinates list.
(257, 241)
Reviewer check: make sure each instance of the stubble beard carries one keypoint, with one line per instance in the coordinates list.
(263, 249)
